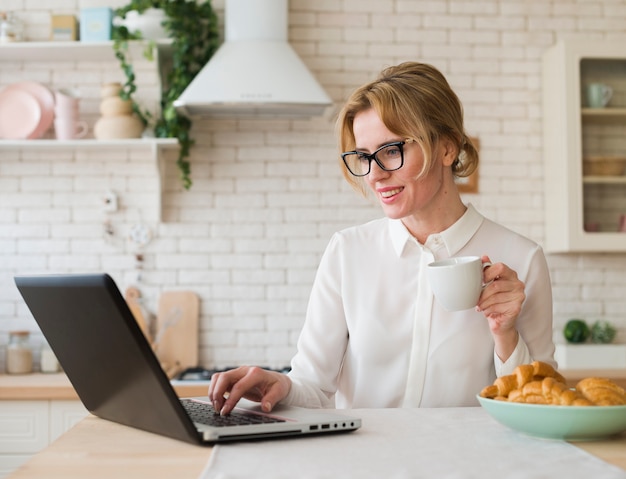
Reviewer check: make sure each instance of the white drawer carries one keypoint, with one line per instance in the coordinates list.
(23, 426)
(64, 415)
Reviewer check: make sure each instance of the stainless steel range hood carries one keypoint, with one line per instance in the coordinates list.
(255, 72)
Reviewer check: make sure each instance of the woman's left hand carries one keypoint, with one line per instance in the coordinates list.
(501, 302)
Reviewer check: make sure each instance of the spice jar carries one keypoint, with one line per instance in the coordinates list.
(19, 353)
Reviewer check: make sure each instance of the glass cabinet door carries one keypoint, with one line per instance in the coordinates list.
(603, 128)
(584, 146)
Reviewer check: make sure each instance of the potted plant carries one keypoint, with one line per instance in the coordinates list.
(193, 28)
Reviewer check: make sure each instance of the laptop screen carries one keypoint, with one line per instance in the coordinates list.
(104, 353)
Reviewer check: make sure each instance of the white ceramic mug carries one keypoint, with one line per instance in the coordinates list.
(457, 282)
(149, 23)
(598, 95)
(70, 129)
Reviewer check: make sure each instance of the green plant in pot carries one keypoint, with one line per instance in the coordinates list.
(193, 29)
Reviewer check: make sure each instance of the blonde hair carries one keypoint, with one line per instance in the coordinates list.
(413, 100)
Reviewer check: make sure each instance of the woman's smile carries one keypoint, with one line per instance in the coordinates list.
(387, 193)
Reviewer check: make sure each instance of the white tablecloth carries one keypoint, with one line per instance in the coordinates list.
(410, 443)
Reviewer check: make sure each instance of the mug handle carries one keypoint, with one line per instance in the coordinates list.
(486, 265)
(82, 128)
(607, 94)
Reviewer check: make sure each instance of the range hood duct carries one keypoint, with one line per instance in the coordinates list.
(255, 72)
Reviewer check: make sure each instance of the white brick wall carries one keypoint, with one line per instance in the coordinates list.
(268, 194)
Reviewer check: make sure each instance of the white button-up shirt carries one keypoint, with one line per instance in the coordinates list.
(375, 337)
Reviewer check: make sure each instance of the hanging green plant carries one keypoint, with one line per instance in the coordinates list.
(193, 29)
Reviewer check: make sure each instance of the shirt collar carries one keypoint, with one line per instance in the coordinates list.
(454, 238)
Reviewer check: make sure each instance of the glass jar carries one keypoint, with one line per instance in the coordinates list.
(49, 362)
(10, 28)
(19, 358)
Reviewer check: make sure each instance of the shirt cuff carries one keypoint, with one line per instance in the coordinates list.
(520, 355)
(292, 398)
(302, 395)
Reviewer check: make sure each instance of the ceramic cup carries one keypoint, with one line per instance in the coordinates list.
(70, 129)
(457, 282)
(598, 95)
(66, 99)
(66, 103)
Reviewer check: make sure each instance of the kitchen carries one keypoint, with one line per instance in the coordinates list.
(266, 195)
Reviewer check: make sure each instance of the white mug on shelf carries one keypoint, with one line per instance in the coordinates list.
(457, 282)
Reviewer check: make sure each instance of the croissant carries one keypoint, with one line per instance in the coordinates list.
(531, 392)
(601, 391)
(548, 391)
(522, 374)
(539, 383)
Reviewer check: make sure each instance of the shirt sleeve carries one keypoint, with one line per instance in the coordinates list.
(323, 338)
(303, 395)
(520, 355)
(534, 323)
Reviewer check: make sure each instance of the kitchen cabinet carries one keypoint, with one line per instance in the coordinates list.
(35, 409)
(26, 427)
(91, 52)
(583, 210)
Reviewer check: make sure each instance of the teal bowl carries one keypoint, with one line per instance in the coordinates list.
(569, 423)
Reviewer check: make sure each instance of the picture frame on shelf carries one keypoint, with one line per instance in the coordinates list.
(469, 184)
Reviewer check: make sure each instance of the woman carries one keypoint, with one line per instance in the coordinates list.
(373, 334)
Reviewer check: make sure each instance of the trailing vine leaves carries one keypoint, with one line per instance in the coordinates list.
(193, 29)
(120, 45)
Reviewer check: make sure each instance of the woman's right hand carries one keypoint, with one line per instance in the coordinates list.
(249, 382)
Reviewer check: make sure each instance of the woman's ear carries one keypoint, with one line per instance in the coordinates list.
(449, 151)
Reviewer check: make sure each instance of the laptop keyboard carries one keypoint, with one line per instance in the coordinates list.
(204, 413)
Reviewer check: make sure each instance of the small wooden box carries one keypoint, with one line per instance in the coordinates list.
(64, 28)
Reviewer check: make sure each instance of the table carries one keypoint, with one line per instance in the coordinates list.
(97, 448)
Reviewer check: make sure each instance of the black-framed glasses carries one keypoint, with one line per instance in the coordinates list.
(389, 157)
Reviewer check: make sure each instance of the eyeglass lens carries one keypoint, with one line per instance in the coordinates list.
(389, 158)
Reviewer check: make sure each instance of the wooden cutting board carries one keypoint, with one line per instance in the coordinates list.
(176, 331)
(133, 298)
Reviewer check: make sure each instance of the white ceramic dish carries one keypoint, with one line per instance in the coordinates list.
(570, 423)
(20, 114)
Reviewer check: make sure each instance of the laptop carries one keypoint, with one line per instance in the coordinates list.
(117, 376)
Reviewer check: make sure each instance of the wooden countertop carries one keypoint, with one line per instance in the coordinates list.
(609, 450)
(97, 448)
(58, 386)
